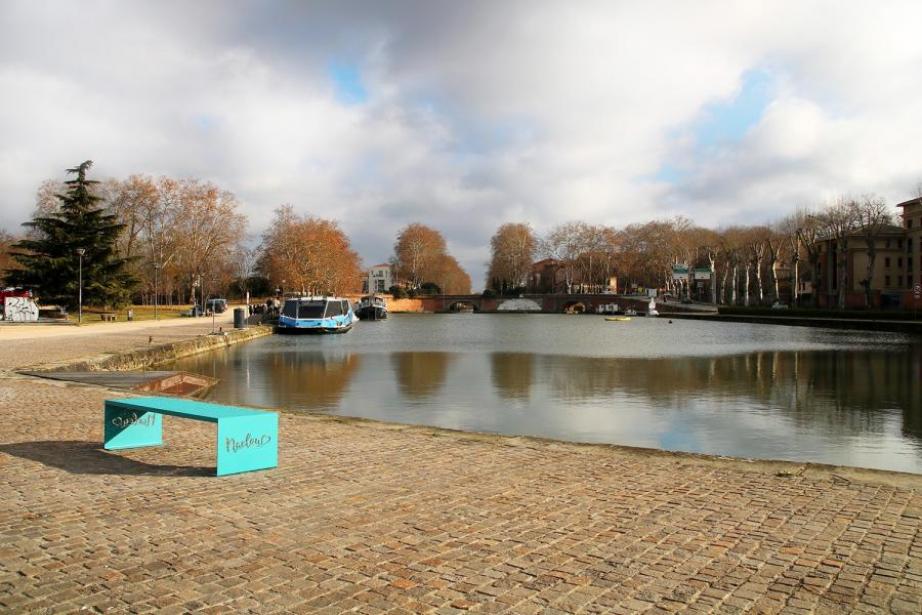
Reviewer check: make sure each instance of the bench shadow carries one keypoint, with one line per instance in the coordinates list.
(79, 457)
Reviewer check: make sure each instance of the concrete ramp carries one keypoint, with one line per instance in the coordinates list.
(165, 382)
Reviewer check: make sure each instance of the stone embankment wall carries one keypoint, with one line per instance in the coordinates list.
(146, 357)
(405, 305)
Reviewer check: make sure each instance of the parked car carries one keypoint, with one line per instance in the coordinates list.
(216, 305)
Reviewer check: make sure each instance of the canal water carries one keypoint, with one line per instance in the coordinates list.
(746, 390)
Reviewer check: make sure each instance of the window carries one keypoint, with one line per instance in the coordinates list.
(887, 281)
(334, 308)
(310, 309)
(899, 262)
(291, 309)
(908, 222)
(899, 244)
(909, 246)
(886, 261)
(345, 305)
(899, 281)
(887, 244)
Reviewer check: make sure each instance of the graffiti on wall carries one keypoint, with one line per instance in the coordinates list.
(20, 309)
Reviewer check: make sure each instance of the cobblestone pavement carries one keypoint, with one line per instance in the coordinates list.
(376, 518)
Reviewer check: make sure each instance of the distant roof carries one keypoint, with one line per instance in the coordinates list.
(886, 229)
(914, 201)
(380, 265)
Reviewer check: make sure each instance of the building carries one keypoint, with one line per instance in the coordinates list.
(897, 264)
(912, 223)
(379, 279)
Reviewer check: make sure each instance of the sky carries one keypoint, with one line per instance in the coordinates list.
(466, 115)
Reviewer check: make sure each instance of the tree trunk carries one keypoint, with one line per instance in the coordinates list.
(723, 285)
(746, 285)
(843, 274)
(713, 281)
(815, 299)
(733, 298)
(795, 290)
(775, 289)
(760, 292)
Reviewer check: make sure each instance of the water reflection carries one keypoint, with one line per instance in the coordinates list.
(837, 390)
(512, 374)
(310, 380)
(421, 374)
(831, 399)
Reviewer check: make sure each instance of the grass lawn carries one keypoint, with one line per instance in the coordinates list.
(141, 312)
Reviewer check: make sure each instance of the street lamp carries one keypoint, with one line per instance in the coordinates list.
(80, 253)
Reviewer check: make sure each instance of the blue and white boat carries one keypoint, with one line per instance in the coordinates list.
(316, 315)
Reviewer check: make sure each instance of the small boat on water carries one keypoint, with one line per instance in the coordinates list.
(618, 318)
(371, 307)
(303, 314)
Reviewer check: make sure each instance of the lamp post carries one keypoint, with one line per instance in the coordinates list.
(157, 291)
(80, 253)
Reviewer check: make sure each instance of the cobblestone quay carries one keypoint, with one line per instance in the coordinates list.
(374, 518)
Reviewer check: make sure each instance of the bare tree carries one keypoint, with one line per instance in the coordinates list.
(873, 217)
(839, 221)
(774, 243)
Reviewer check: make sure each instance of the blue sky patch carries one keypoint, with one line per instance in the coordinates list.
(730, 120)
(347, 81)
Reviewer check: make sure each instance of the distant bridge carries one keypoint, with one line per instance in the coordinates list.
(548, 304)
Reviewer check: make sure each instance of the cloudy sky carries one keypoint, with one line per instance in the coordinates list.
(465, 115)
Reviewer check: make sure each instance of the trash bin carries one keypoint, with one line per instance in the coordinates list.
(240, 318)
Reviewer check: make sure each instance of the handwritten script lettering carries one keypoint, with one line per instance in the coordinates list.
(145, 420)
(249, 441)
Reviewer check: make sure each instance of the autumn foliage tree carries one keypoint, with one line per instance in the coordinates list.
(309, 255)
(422, 262)
(512, 252)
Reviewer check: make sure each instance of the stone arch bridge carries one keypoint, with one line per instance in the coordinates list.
(548, 304)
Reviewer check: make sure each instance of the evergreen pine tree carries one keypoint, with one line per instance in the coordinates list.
(50, 260)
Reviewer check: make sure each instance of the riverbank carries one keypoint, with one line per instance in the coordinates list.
(382, 518)
(858, 324)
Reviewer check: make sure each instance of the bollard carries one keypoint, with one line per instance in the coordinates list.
(240, 318)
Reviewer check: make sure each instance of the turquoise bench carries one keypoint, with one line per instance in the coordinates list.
(247, 439)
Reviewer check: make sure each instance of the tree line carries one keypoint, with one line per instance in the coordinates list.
(743, 261)
(175, 241)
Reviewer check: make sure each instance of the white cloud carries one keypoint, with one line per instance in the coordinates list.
(478, 113)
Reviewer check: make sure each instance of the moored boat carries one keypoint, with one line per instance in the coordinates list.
(304, 314)
(371, 307)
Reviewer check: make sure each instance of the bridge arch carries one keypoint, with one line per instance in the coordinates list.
(463, 306)
(574, 307)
